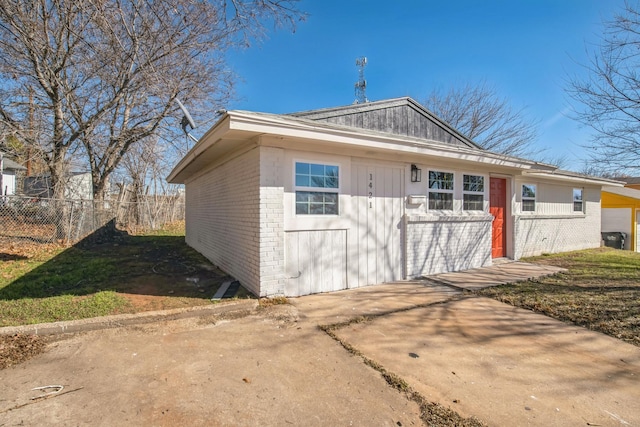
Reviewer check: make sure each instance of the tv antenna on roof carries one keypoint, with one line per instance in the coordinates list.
(361, 84)
(187, 121)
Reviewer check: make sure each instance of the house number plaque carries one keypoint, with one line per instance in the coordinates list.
(370, 190)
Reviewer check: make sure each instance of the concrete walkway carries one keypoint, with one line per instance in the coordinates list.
(340, 306)
(498, 274)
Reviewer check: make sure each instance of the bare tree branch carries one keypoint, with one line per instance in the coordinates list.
(104, 74)
(481, 115)
(608, 98)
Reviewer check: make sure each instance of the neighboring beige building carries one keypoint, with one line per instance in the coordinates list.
(363, 194)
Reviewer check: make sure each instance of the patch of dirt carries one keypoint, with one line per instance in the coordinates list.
(284, 313)
(17, 348)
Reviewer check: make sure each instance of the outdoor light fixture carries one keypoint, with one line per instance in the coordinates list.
(416, 174)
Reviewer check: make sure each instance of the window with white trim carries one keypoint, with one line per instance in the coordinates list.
(440, 190)
(472, 192)
(578, 205)
(528, 197)
(317, 189)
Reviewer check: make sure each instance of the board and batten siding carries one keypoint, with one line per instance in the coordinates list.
(316, 261)
(554, 226)
(223, 217)
(375, 254)
(398, 120)
(362, 246)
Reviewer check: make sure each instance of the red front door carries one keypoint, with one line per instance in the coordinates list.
(497, 208)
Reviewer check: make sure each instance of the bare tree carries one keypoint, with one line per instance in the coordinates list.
(608, 99)
(102, 75)
(479, 113)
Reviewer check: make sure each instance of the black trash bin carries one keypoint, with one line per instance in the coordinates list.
(614, 239)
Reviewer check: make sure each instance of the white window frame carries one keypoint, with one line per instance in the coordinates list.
(474, 192)
(310, 189)
(524, 198)
(574, 200)
(442, 191)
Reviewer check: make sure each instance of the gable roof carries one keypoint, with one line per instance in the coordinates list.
(8, 164)
(623, 191)
(398, 116)
(358, 130)
(630, 180)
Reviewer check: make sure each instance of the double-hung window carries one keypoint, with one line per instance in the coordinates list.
(440, 190)
(472, 192)
(317, 189)
(528, 198)
(578, 205)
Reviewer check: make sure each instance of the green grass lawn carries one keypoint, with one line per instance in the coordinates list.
(600, 291)
(45, 283)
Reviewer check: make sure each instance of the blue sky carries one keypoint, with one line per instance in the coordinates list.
(524, 48)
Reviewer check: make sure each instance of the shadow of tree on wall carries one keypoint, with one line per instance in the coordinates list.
(113, 260)
(448, 246)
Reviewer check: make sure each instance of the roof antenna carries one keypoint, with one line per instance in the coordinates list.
(186, 121)
(361, 84)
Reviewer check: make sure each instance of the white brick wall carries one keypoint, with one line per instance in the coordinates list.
(536, 234)
(271, 221)
(447, 243)
(222, 217)
(235, 217)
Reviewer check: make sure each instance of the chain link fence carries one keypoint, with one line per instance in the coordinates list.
(68, 221)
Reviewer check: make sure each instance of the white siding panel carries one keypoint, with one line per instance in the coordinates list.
(316, 261)
(637, 231)
(8, 184)
(377, 208)
(618, 219)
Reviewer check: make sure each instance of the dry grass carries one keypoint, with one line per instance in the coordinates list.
(268, 302)
(600, 291)
(17, 348)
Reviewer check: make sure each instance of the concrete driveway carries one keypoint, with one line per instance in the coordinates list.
(276, 367)
(505, 365)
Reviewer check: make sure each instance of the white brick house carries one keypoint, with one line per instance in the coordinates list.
(329, 199)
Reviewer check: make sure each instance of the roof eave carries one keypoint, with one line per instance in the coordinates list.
(562, 175)
(250, 124)
(204, 143)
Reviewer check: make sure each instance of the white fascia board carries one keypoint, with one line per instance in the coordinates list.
(322, 132)
(624, 191)
(577, 179)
